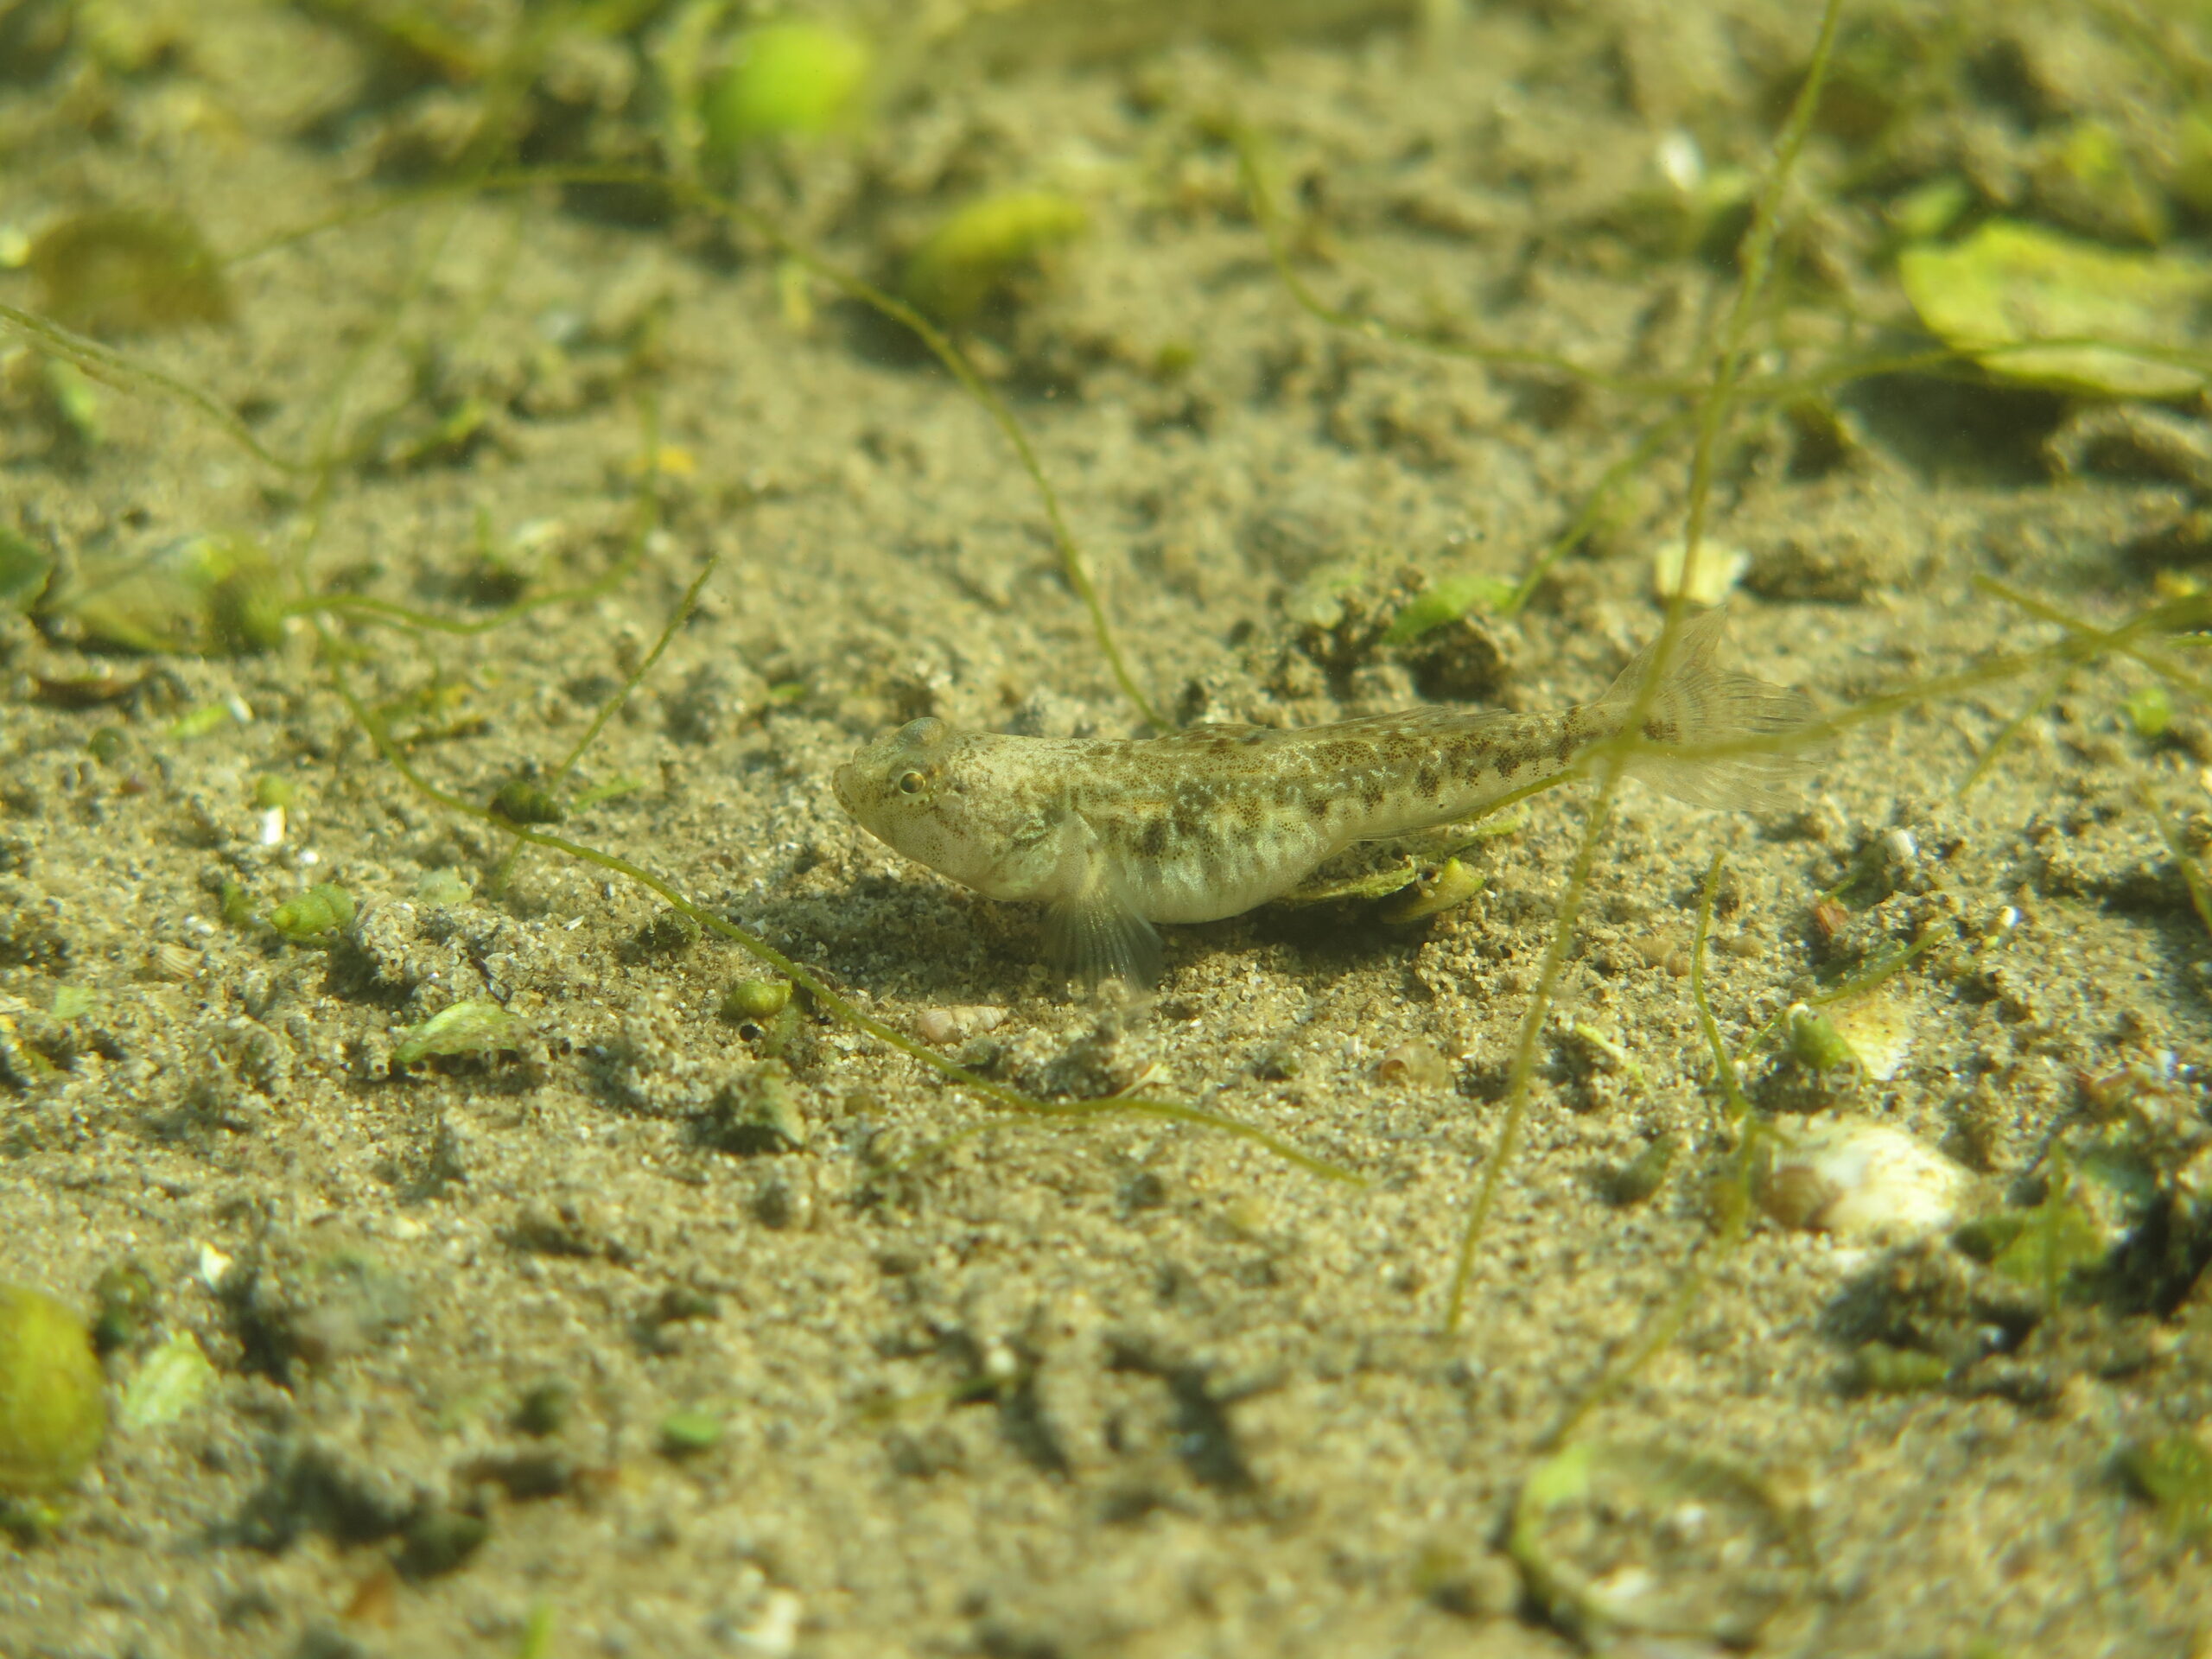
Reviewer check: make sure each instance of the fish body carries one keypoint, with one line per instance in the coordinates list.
(1112, 836)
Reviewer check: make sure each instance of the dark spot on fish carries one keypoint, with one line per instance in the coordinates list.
(1427, 782)
(1317, 807)
(1152, 840)
(1659, 731)
(1508, 763)
(1371, 794)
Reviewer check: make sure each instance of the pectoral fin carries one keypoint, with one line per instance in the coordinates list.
(1101, 936)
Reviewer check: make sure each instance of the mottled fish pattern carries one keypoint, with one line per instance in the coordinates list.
(1112, 836)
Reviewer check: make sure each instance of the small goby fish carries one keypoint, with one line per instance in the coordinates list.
(1112, 836)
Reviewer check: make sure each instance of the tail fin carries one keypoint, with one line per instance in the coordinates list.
(1699, 707)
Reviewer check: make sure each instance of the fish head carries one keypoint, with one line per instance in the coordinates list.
(910, 789)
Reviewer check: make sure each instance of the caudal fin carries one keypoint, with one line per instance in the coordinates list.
(1718, 733)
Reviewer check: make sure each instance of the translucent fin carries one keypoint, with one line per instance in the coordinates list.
(1702, 706)
(1101, 936)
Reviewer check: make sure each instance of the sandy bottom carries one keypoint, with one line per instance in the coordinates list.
(612, 1343)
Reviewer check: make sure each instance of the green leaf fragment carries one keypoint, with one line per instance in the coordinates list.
(215, 594)
(1447, 886)
(2174, 1472)
(2060, 1238)
(173, 1379)
(1925, 211)
(76, 400)
(2150, 711)
(1447, 601)
(24, 567)
(70, 1001)
(209, 717)
(2192, 175)
(441, 889)
(2125, 317)
(685, 1434)
(52, 1411)
(470, 1027)
(1644, 1174)
(1879, 1368)
(121, 270)
(238, 907)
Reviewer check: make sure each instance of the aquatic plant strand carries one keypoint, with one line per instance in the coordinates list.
(1520, 1075)
(1664, 1324)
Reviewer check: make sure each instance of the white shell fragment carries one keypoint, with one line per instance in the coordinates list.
(1859, 1180)
(1719, 569)
(1879, 1030)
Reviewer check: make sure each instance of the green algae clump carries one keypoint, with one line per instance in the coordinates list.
(977, 250)
(785, 80)
(53, 1414)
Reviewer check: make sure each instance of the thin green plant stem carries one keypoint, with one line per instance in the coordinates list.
(1612, 756)
(129, 374)
(2192, 872)
(1075, 570)
(1659, 1329)
(1724, 1069)
(2119, 639)
(1640, 456)
(1758, 261)
(1514, 1123)
(2012, 729)
(999, 1094)
(608, 709)
(612, 706)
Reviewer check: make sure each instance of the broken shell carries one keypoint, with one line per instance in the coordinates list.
(1859, 1179)
(1447, 886)
(1878, 1029)
(1716, 572)
(1415, 1065)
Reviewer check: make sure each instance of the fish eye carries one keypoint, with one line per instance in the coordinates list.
(910, 783)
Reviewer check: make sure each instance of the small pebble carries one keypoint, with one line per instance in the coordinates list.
(952, 1024)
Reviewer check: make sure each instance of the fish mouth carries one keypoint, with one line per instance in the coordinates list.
(841, 783)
